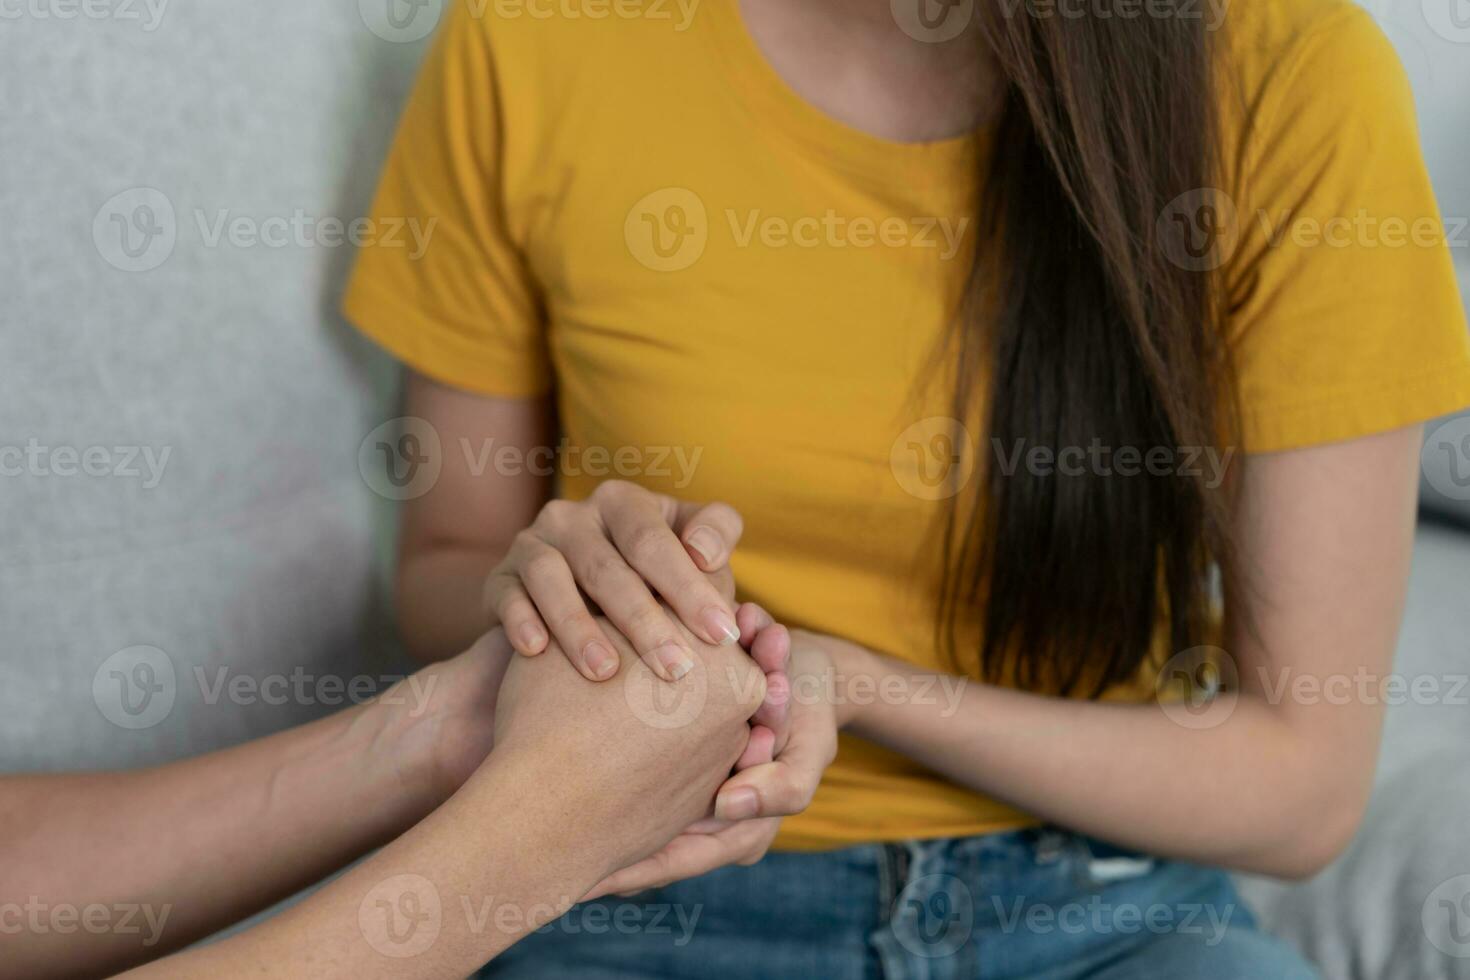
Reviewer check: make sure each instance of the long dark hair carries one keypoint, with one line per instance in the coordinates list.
(1083, 327)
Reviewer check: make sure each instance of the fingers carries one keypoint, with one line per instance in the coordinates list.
(690, 855)
(787, 785)
(769, 790)
(750, 619)
(627, 601)
(769, 645)
(771, 649)
(759, 750)
(550, 585)
(513, 609)
(774, 714)
(639, 526)
(724, 582)
(710, 532)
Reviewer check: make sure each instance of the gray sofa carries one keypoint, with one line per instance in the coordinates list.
(188, 410)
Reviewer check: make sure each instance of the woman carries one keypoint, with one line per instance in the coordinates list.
(1037, 346)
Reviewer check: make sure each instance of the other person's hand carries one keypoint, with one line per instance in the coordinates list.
(751, 803)
(644, 756)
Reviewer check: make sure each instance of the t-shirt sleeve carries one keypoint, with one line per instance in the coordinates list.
(1344, 314)
(452, 295)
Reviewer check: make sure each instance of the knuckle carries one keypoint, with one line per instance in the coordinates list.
(498, 591)
(693, 589)
(651, 625)
(791, 796)
(542, 566)
(571, 621)
(521, 611)
(523, 545)
(512, 608)
(829, 754)
(611, 491)
(645, 543)
(603, 572)
(557, 514)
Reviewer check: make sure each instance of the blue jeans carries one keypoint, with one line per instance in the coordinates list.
(1036, 904)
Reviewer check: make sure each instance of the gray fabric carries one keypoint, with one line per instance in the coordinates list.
(255, 549)
(1445, 487)
(1396, 906)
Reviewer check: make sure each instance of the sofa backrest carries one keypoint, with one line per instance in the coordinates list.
(187, 549)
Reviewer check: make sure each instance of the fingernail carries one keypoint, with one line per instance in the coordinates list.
(674, 659)
(532, 637)
(721, 626)
(738, 804)
(707, 543)
(600, 660)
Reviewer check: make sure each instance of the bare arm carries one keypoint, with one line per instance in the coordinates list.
(168, 855)
(1270, 781)
(452, 537)
(579, 784)
(487, 546)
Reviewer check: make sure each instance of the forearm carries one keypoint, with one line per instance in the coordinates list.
(1253, 792)
(504, 856)
(194, 846)
(440, 599)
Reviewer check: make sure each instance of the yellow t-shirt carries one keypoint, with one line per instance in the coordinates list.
(737, 298)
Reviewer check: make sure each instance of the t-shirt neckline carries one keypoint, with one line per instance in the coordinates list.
(775, 103)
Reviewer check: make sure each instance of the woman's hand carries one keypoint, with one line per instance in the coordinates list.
(625, 547)
(750, 805)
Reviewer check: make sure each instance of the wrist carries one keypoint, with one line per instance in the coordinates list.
(575, 848)
(394, 749)
(860, 671)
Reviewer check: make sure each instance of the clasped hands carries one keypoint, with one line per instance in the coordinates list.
(685, 698)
